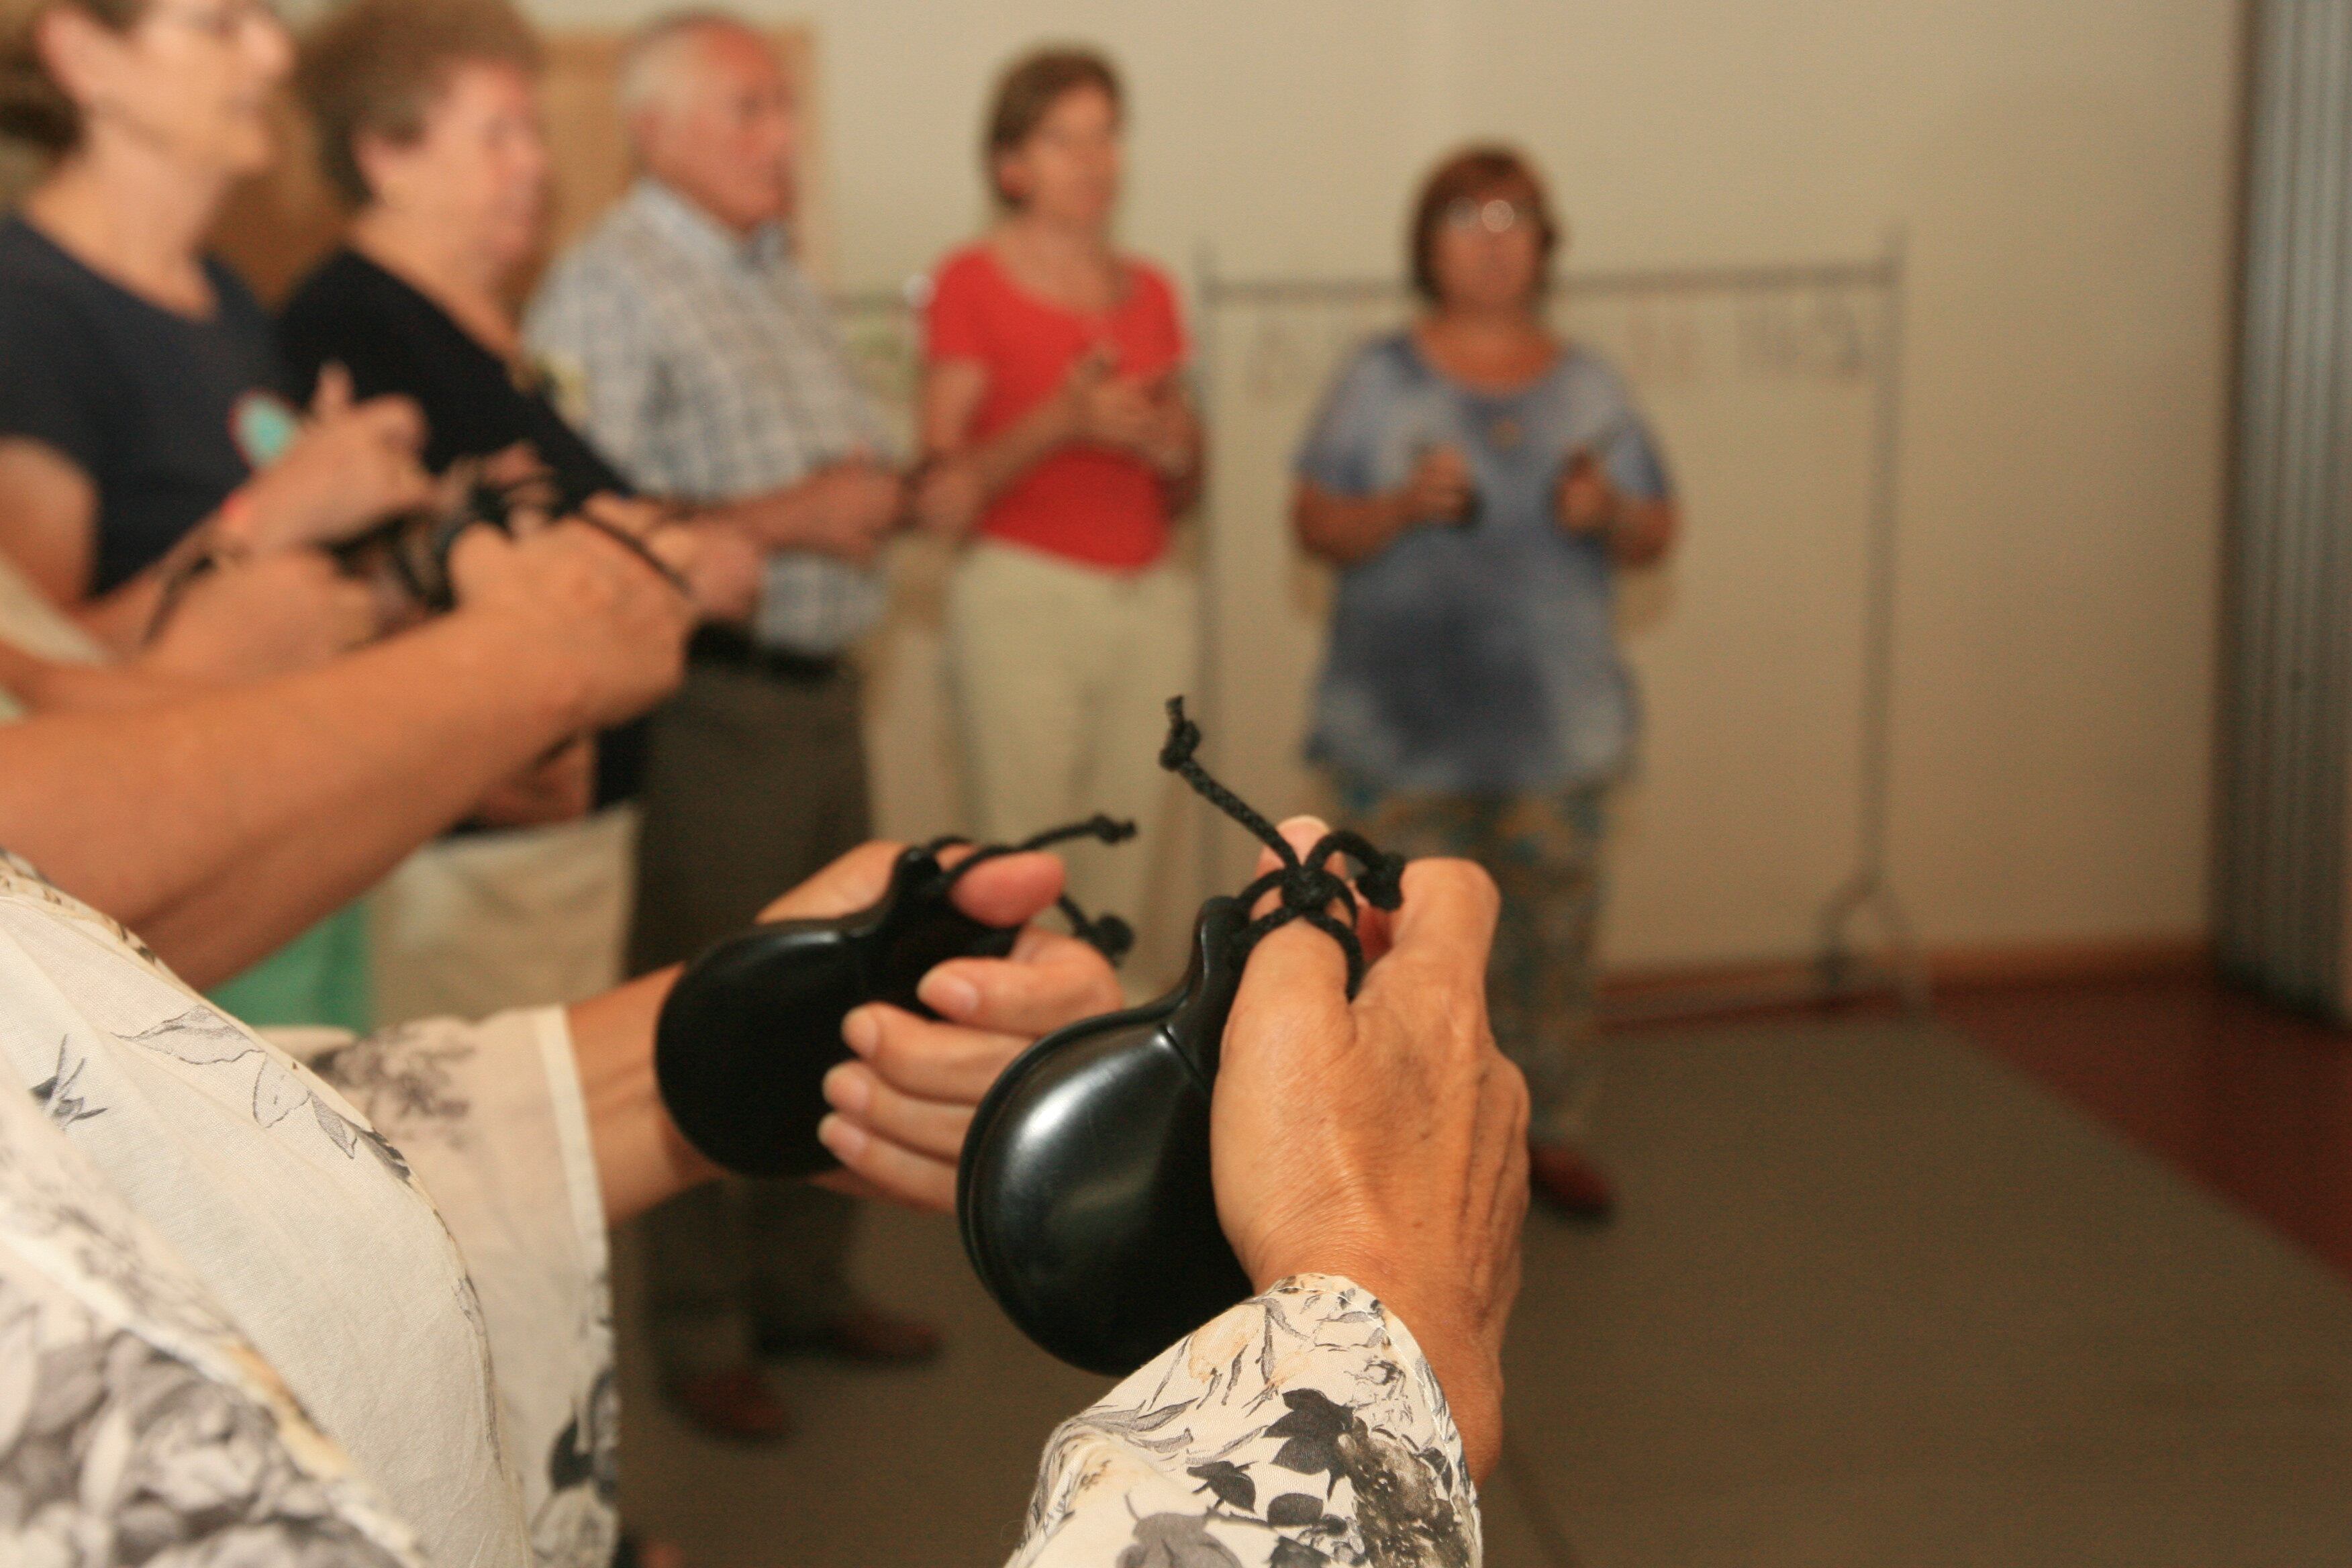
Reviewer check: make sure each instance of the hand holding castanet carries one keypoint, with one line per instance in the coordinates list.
(1438, 490)
(608, 630)
(1384, 1138)
(754, 1047)
(351, 465)
(1131, 1177)
(1585, 501)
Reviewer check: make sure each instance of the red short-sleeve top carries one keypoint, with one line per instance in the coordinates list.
(1088, 503)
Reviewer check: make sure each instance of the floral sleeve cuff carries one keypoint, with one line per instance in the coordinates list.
(1302, 1427)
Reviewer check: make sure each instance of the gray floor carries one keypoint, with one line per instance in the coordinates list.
(1872, 1300)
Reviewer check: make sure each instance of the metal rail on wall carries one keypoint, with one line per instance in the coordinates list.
(1846, 963)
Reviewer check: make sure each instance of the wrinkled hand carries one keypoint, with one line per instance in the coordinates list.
(845, 510)
(1585, 501)
(1438, 491)
(1119, 414)
(900, 1111)
(353, 464)
(1149, 418)
(726, 572)
(606, 629)
(533, 494)
(1170, 445)
(557, 788)
(269, 615)
(1383, 1138)
(1137, 414)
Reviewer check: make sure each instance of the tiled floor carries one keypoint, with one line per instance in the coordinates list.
(1873, 1299)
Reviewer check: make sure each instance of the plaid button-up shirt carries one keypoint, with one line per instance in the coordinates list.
(708, 369)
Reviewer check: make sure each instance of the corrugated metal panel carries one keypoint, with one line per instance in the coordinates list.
(2282, 866)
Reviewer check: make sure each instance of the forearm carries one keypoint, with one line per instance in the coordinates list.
(120, 619)
(1020, 446)
(123, 617)
(46, 685)
(1346, 530)
(641, 1157)
(1181, 462)
(223, 823)
(233, 920)
(782, 519)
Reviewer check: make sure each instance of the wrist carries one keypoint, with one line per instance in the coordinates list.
(1466, 1361)
(808, 518)
(1468, 1369)
(1061, 419)
(263, 515)
(641, 1156)
(773, 519)
(1622, 529)
(1172, 460)
(555, 696)
(1606, 521)
(236, 525)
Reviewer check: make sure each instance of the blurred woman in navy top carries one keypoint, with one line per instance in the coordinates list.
(145, 429)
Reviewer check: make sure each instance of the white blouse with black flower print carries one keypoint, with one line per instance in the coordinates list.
(235, 1328)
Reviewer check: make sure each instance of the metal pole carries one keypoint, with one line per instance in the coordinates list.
(1208, 664)
(1868, 890)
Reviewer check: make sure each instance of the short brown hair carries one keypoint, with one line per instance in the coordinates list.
(1027, 92)
(34, 109)
(373, 67)
(1472, 172)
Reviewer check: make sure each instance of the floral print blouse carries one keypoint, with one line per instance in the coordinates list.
(259, 1312)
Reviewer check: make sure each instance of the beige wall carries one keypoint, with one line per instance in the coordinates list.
(2065, 176)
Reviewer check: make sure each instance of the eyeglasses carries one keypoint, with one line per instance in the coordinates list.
(223, 23)
(1495, 215)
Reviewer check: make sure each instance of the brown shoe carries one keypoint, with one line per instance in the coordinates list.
(861, 1332)
(1568, 1182)
(738, 1404)
(636, 1550)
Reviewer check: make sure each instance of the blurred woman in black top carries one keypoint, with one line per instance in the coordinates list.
(428, 121)
(427, 116)
(146, 428)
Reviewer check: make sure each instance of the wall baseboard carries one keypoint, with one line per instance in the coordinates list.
(2084, 962)
(1962, 967)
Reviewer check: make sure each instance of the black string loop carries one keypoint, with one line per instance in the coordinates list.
(1107, 933)
(1308, 887)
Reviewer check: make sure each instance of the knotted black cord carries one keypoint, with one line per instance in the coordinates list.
(1308, 889)
(1109, 934)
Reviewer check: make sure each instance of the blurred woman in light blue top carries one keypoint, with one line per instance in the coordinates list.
(1479, 483)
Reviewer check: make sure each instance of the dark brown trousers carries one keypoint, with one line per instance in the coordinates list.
(753, 783)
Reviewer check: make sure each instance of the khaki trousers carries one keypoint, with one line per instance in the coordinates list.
(1061, 675)
(478, 922)
(753, 783)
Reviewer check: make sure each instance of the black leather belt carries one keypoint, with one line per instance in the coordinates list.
(730, 650)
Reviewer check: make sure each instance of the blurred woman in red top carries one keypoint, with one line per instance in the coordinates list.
(1061, 442)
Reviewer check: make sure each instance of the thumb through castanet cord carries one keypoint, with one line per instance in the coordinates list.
(1308, 889)
(1107, 933)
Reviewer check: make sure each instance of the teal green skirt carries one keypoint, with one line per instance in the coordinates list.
(321, 977)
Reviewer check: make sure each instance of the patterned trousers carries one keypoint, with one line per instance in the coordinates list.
(1543, 849)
